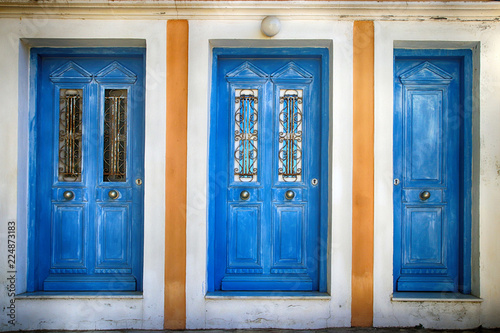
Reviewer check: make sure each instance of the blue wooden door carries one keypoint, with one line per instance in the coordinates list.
(270, 172)
(428, 170)
(89, 170)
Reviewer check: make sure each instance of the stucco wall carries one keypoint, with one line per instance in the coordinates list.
(99, 312)
(244, 312)
(202, 313)
(484, 39)
(274, 312)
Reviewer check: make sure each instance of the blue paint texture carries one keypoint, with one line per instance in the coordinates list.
(87, 241)
(432, 154)
(269, 242)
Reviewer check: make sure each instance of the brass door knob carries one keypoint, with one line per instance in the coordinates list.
(68, 195)
(244, 195)
(113, 194)
(289, 195)
(424, 195)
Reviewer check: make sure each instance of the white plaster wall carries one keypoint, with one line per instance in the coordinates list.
(261, 312)
(205, 313)
(439, 315)
(68, 312)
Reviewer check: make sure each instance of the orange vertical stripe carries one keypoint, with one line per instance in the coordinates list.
(175, 175)
(362, 184)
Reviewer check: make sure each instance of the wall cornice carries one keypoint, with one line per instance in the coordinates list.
(250, 9)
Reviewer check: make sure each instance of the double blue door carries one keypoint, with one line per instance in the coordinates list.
(270, 124)
(88, 170)
(431, 171)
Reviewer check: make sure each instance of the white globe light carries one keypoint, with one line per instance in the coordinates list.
(270, 26)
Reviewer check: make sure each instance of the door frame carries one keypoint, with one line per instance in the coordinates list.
(466, 162)
(324, 54)
(35, 55)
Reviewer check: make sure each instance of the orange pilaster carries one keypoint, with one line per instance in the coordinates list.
(175, 177)
(362, 185)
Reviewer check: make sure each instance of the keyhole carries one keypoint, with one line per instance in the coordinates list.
(314, 182)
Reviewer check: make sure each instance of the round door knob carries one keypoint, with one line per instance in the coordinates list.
(113, 194)
(68, 195)
(289, 195)
(244, 195)
(424, 195)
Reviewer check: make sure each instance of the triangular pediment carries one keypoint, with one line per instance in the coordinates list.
(115, 72)
(71, 72)
(426, 72)
(246, 71)
(292, 71)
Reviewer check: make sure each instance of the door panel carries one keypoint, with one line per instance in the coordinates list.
(90, 125)
(423, 237)
(244, 239)
(427, 141)
(68, 228)
(288, 239)
(113, 236)
(268, 151)
(424, 140)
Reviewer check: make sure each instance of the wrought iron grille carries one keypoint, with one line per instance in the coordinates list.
(246, 135)
(70, 135)
(290, 136)
(115, 135)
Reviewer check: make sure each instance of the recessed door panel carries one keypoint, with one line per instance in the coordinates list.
(424, 234)
(113, 237)
(289, 239)
(68, 236)
(244, 239)
(425, 137)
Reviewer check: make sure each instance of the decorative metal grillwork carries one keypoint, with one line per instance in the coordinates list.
(70, 135)
(290, 136)
(246, 135)
(115, 135)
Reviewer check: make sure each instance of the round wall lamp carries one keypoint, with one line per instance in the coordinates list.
(270, 26)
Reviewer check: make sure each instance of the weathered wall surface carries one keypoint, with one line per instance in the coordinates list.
(484, 39)
(98, 312)
(216, 27)
(281, 312)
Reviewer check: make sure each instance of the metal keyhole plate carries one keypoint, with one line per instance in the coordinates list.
(314, 181)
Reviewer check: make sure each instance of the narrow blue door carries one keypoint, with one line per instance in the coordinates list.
(270, 171)
(88, 170)
(429, 165)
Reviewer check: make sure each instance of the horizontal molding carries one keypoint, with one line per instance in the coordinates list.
(68, 295)
(410, 296)
(251, 9)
